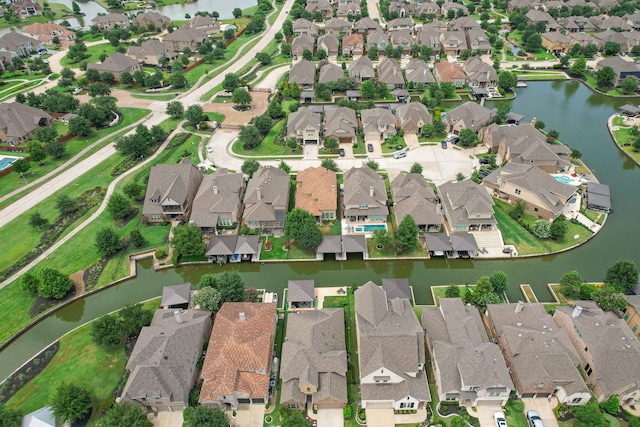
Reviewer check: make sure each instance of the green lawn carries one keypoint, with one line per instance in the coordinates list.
(332, 228)
(385, 252)
(94, 53)
(513, 233)
(80, 362)
(267, 148)
(278, 252)
(162, 97)
(514, 412)
(440, 292)
(625, 139)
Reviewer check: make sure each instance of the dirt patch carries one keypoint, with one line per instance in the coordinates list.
(18, 379)
(78, 281)
(233, 117)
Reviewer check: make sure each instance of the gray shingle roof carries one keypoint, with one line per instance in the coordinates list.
(176, 294)
(362, 68)
(267, 195)
(300, 291)
(13, 42)
(18, 120)
(418, 71)
(463, 242)
(413, 196)
(115, 63)
(437, 242)
(463, 201)
(389, 72)
(219, 196)
(170, 185)
(330, 245)
(396, 288)
(375, 119)
(303, 72)
(302, 119)
(363, 186)
(473, 115)
(330, 72)
(413, 114)
(355, 243)
(341, 122)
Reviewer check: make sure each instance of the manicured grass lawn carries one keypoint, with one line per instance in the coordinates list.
(386, 252)
(440, 292)
(624, 138)
(278, 252)
(514, 234)
(514, 412)
(267, 147)
(331, 229)
(80, 362)
(13, 181)
(94, 53)
(163, 97)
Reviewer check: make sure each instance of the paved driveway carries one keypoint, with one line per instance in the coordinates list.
(249, 416)
(485, 415)
(166, 419)
(330, 418)
(544, 408)
(411, 139)
(377, 148)
(379, 417)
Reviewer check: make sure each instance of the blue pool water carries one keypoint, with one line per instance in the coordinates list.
(6, 161)
(368, 228)
(563, 179)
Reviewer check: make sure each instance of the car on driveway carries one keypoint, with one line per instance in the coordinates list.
(483, 161)
(500, 420)
(533, 417)
(370, 148)
(341, 151)
(444, 144)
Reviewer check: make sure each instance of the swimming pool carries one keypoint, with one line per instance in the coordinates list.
(563, 179)
(6, 161)
(369, 228)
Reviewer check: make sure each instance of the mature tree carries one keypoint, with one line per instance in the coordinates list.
(368, 90)
(125, 414)
(559, 228)
(107, 77)
(175, 109)
(275, 110)
(541, 228)
(9, 417)
(36, 151)
(373, 53)
(250, 137)
(329, 164)
(564, 61)
(407, 233)
(571, 283)
(605, 76)
(208, 298)
(611, 406)
(499, 282)
(629, 85)
(507, 80)
(264, 58)
(30, 282)
(539, 125)
(611, 48)
(136, 238)
(134, 190)
(178, 79)
(187, 240)
(231, 82)
(552, 135)
(533, 43)
(251, 294)
(263, 124)
(293, 418)
(589, 415)
(194, 114)
(56, 149)
(119, 206)
(249, 167)
(105, 330)
(98, 89)
(301, 226)
(579, 67)
(452, 291)
(503, 110)
(241, 97)
(229, 284)
(70, 402)
(576, 154)
(331, 143)
(65, 204)
(21, 166)
(237, 12)
(623, 273)
(37, 221)
(53, 283)
(108, 241)
(468, 137)
(203, 416)
(416, 168)
(133, 318)
(382, 237)
(45, 134)
(609, 298)
(79, 126)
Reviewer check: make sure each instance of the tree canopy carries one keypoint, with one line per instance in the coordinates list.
(203, 416)
(187, 240)
(208, 298)
(229, 284)
(623, 273)
(301, 226)
(407, 233)
(53, 283)
(108, 241)
(70, 403)
(125, 414)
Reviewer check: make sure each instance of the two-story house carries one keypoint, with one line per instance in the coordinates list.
(467, 206)
(365, 196)
(341, 123)
(218, 202)
(378, 123)
(413, 196)
(305, 125)
(266, 199)
(317, 193)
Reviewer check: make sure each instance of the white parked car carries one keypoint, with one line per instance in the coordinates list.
(209, 149)
(500, 420)
(533, 417)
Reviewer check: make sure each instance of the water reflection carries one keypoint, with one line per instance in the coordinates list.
(570, 89)
(73, 313)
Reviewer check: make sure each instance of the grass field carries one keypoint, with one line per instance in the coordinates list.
(625, 139)
(278, 252)
(94, 53)
(513, 233)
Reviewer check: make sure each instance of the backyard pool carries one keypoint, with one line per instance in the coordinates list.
(6, 161)
(369, 228)
(563, 179)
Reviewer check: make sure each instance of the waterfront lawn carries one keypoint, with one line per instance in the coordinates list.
(624, 139)
(513, 233)
(80, 362)
(440, 292)
(385, 252)
(278, 252)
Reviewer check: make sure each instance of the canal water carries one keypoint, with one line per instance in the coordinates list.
(567, 106)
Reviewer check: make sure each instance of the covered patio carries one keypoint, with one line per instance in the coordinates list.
(464, 245)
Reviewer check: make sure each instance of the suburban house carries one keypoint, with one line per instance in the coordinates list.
(341, 123)
(362, 69)
(494, 136)
(468, 367)
(543, 196)
(390, 73)
(302, 43)
(218, 202)
(163, 364)
(110, 20)
(337, 27)
(170, 191)
(330, 72)
(556, 42)
(366, 25)
(391, 351)
(237, 367)
(378, 123)
(598, 197)
(314, 360)
(349, 10)
(412, 117)
(303, 73)
(467, 206)
(18, 121)
(576, 24)
(365, 195)
(426, 9)
(353, 45)
(477, 40)
(150, 18)
(400, 24)
(304, 26)
(413, 196)
(26, 8)
(469, 115)
(479, 73)
(542, 361)
(116, 64)
(266, 200)
(185, 37)
(19, 44)
(453, 42)
(632, 313)
(429, 38)
(417, 71)
(46, 31)
(150, 51)
(378, 39)
(535, 15)
(317, 193)
(403, 39)
(447, 72)
(622, 68)
(205, 24)
(301, 295)
(609, 352)
(322, 6)
(305, 126)
(329, 43)
(459, 9)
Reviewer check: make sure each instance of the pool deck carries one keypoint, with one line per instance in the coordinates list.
(350, 228)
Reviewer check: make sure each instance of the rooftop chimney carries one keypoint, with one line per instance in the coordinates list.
(242, 316)
(576, 311)
(258, 193)
(215, 189)
(178, 315)
(519, 307)
(371, 191)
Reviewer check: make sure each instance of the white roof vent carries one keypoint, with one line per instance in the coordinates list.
(518, 324)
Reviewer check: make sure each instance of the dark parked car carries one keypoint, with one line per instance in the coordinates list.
(484, 161)
(341, 152)
(444, 144)
(370, 148)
